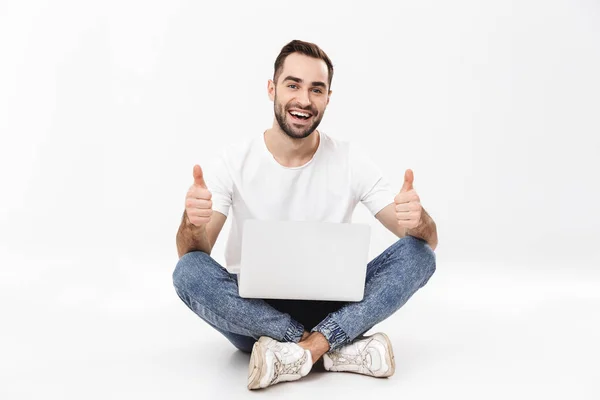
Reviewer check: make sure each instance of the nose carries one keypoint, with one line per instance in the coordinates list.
(303, 98)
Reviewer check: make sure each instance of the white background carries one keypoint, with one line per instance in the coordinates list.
(106, 106)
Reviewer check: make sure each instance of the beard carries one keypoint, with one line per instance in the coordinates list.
(294, 132)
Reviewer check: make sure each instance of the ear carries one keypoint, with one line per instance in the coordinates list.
(329, 96)
(271, 89)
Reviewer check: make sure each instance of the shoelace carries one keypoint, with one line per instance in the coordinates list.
(360, 359)
(347, 359)
(287, 369)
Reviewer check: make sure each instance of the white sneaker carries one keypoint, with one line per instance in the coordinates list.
(367, 355)
(272, 362)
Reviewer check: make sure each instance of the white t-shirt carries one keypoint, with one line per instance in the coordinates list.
(246, 179)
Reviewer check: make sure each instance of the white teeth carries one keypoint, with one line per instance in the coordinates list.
(299, 114)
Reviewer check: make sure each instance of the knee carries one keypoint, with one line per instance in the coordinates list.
(189, 269)
(420, 253)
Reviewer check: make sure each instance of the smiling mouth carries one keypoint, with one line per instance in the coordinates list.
(300, 116)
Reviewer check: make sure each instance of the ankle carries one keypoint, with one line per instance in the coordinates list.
(317, 344)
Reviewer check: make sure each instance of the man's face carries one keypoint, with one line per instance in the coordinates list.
(300, 95)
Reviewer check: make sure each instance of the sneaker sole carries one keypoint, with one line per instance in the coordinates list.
(256, 368)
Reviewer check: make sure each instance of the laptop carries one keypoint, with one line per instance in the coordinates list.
(303, 260)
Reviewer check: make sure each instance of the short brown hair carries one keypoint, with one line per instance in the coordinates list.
(306, 48)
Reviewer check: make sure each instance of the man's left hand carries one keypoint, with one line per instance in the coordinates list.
(408, 204)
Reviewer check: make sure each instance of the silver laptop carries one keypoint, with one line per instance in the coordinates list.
(303, 260)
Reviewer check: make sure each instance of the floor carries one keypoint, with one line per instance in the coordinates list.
(116, 330)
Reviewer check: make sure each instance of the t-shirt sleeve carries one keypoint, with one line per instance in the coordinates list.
(372, 188)
(219, 182)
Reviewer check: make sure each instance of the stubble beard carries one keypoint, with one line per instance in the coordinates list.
(281, 116)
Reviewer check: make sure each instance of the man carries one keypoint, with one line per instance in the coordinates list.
(292, 171)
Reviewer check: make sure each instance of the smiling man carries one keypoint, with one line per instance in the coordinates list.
(293, 171)
(298, 118)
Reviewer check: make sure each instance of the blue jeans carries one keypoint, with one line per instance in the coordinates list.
(211, 292)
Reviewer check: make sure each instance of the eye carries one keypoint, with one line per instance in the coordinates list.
(292, 85)
(318, 90)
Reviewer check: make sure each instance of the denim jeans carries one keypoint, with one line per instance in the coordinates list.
(211, 292)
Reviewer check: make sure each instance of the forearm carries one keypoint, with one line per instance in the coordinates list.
(426, 230)
(191, 238)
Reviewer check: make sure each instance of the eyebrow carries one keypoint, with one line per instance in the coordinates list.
(293, 78)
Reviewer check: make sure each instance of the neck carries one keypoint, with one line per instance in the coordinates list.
(288, 151)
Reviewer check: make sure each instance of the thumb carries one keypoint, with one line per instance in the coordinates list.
(199, 177)
(408, 181)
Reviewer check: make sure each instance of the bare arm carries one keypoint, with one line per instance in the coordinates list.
(199, 238)
(387, 217)
(426, 230)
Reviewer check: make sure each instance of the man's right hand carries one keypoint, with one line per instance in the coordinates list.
(198, 203)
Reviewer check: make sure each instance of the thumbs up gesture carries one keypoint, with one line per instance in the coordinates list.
(408, 204)
(198, 203)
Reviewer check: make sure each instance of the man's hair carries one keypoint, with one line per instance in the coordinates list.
(306, 48)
